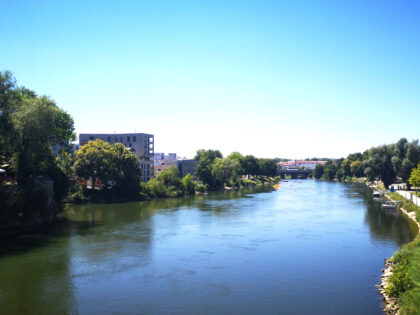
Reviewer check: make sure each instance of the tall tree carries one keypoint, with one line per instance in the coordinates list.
(318, 171)
(95, 160)
(204, 167)
(380, 164)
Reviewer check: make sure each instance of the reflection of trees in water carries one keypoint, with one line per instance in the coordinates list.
(383, 225)
(35, 280)
(37, 270)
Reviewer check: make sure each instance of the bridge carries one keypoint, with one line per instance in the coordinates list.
(295, 173)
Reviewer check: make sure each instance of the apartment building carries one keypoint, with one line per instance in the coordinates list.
(141, 144)
(187, 167)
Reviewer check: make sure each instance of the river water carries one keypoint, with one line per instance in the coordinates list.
(308, 248)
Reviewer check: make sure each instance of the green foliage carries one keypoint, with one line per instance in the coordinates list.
(415, 176)
(94, 160)
(380, 163)
(204, 167)
(340, 174)
(400, 280)
(225, 171)
(169, 184)
(66, 163)
(29, 126)
(356, 168)
(330, 171)
(267, 167)
(318, 171)
(188, 184)
(406, 204)
(250, 165)
(345, 166)
(99, 159)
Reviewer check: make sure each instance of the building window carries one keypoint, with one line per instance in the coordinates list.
(128, 139)
(109, 139)
(151, 139)
(134, 138)
(91, 138)
(129, 145)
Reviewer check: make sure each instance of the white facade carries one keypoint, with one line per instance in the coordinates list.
(295, 164)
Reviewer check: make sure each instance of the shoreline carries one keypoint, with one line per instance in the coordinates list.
(391, 303)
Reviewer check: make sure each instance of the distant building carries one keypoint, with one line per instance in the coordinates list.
(141, 144)
(163, 161)
(162, 165)
(187, 167)
(296, 164)
(163, 156)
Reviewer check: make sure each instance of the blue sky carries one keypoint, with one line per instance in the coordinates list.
(271, 78)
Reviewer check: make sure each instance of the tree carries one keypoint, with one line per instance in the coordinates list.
(355, 157)
(411, 159)
(204, 166)
(250, 165)
(415, 177)
(318, 171)
(356, 168)
(38, 124)
(66, 163)
(189, 184)
(106, 162)
(94, 160)
(8, 99)
(224, 171)
(126, 171)
(240, 159)
(380, 164)
(340, 174)
(345, 166)
(267, 167)
(330, 171)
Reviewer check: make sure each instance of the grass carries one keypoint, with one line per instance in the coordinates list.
(405, 280)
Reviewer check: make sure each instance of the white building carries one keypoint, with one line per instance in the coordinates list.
(295, 164)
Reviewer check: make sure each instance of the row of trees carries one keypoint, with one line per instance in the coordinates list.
(385, 162)
(117, 166)
(217, 172)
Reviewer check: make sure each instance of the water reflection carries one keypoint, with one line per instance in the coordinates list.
(245, 251)
(32, 281)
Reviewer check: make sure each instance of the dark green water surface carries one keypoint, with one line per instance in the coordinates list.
(308, 248)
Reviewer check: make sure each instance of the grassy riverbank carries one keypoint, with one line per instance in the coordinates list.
(404, 283)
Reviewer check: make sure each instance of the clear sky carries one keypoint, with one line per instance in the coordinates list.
(287, 79)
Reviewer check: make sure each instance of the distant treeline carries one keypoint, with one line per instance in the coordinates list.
(385, 162)
(117, 170)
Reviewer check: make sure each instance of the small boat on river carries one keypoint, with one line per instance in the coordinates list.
(388, 205)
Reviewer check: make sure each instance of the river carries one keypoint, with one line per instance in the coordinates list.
(311, 247)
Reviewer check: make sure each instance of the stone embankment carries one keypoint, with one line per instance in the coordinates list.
(391, 305)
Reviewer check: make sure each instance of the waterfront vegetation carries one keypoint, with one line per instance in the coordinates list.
(404, 283)
(29, 126)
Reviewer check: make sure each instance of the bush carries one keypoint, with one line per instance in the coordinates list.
(400, 280)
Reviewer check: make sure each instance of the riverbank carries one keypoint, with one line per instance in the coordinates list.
(400, 282)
